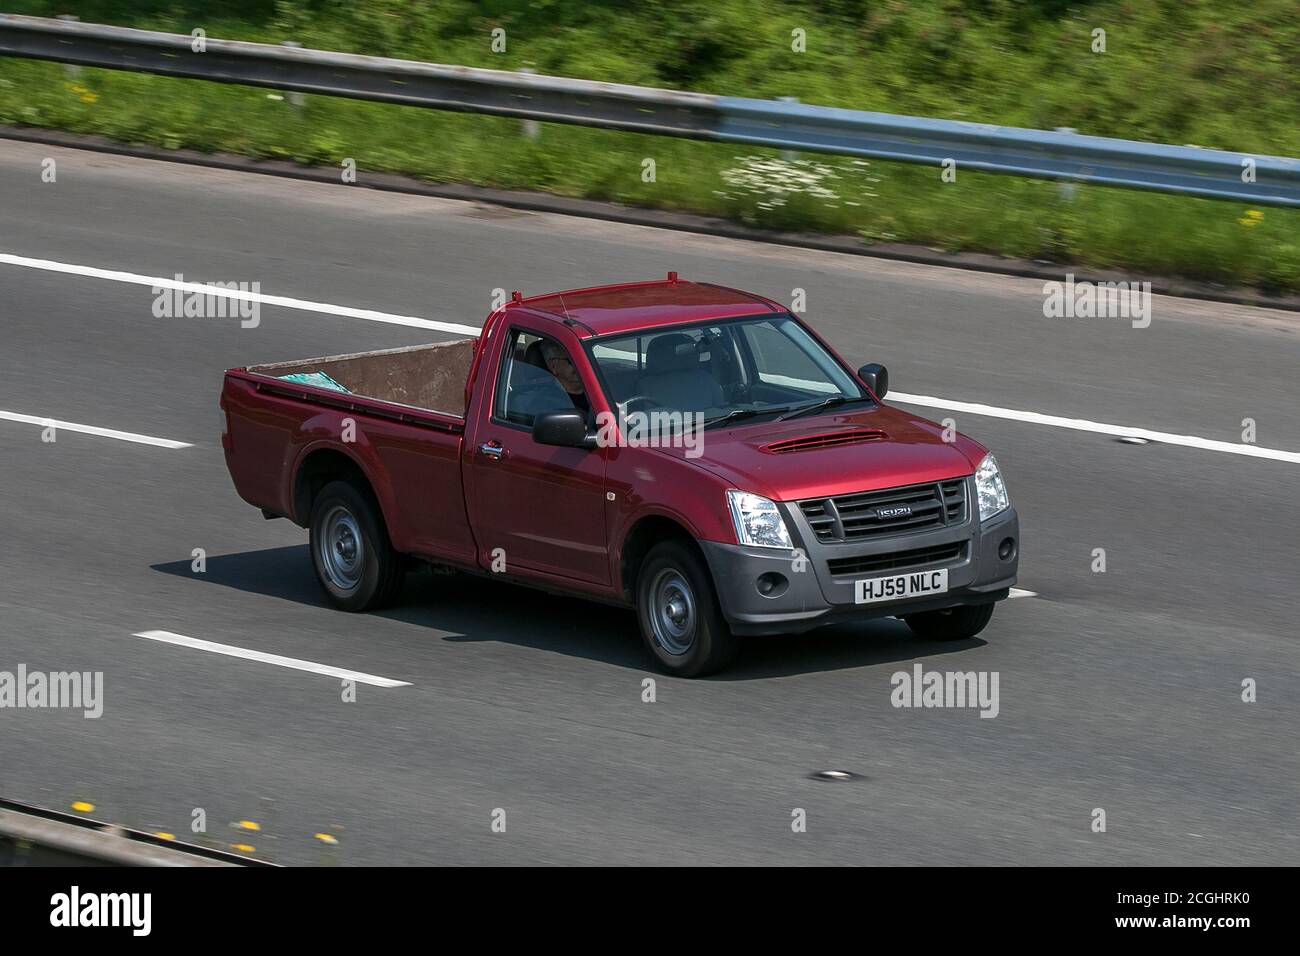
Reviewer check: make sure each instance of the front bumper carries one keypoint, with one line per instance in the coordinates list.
(773, 591)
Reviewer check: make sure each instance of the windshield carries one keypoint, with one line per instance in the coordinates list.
(732, 370)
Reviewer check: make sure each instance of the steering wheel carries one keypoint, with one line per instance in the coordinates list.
(739, 393)
(627, 402)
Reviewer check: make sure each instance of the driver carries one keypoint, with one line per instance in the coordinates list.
(560, 365)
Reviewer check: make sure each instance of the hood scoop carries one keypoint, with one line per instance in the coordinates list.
(854, 436)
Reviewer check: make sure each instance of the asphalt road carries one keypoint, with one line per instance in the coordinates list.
(1118, 690)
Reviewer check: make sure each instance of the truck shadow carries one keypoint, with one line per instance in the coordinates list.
(475, 609)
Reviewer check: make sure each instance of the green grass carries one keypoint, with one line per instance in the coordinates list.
(1177, 71)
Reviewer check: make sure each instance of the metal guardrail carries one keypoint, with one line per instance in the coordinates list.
(32, 836)
(1000, 149)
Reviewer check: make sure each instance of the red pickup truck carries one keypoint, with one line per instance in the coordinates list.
(691, 451)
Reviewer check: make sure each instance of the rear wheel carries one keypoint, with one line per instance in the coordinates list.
(952, 623)
(677, 610)
(354, 560)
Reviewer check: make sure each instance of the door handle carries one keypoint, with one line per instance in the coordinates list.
(493, 450)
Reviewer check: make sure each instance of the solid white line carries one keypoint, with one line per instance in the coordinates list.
(92, 430)
(167, 637)
(160, 283)
(1021, 592)
(1083, 425)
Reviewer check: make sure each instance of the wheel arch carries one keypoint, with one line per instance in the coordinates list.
(320, 466)
(644, 534)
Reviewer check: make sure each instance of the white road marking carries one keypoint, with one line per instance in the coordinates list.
(1021, 592)
(1083, 425)
(285, 302)
(928, 401)
(167, 637)
(92, 430)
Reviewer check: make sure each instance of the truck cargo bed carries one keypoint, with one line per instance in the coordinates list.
(430, 377)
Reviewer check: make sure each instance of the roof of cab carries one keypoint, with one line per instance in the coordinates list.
(635, 306)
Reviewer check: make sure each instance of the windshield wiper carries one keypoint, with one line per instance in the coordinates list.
(736, 413)
(818, 406)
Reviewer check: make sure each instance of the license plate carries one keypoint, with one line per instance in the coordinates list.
(898, 586)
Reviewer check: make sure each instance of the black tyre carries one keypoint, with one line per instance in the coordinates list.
(677, 609)
(354, 560)
(951, 624)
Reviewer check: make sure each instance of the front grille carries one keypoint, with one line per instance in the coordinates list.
(858, 516)
(899, 560)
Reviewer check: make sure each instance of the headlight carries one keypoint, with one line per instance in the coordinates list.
(990, 489)
(758, 522)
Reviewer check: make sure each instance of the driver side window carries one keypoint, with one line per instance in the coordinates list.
(527, 387)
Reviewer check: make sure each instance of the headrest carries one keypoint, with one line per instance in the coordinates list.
(671, 353)
(534, 355)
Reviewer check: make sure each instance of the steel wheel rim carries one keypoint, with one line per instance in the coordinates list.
(672, 612)
(342, 549)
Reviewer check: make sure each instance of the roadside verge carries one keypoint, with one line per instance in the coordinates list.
(657, 218)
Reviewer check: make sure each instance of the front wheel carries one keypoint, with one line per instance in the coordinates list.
(951, 623)
(677, 609)
(355, 563)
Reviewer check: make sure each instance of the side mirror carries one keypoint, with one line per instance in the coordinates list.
(567, 429)
(876, 377)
